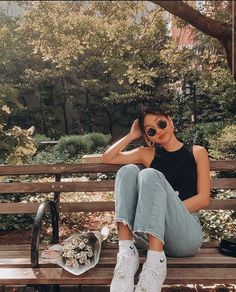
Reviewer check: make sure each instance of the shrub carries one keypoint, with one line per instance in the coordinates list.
(74, 145)
(98, 141)
(16, 146)
(37, 139)
(11, 222)
(217, 224)
(52, 156)
(89, 143)
(223, 145)
(201, 133)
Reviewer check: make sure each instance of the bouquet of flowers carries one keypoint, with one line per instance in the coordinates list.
(79, 252)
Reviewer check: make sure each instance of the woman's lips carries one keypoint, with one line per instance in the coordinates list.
(162, 136)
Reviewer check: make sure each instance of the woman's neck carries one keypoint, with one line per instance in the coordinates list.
(173, 144)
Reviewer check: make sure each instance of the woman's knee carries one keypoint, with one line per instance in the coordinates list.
(150, 174)
(127, 171)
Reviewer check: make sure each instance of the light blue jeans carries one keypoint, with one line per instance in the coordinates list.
(147, 204)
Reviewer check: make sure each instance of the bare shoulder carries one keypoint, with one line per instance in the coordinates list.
(147, 154)
(200, 152)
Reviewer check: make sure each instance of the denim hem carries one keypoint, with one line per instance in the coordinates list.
(149, 232)
(121, 220)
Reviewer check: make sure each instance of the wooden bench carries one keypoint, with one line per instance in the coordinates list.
(22, 265)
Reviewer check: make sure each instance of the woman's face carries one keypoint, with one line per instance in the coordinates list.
(158, 129)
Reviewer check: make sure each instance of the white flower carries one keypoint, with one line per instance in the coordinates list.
(82, 245)
(77, 251)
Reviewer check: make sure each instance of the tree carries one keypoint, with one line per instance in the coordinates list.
(83, 66)
(222, 31)
(108, 61)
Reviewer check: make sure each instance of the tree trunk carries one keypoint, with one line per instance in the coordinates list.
(223, 32)
(63, 104)
(109, 116)
(42, 124)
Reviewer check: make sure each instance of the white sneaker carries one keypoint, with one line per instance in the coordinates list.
(150, 279)
(126, 267)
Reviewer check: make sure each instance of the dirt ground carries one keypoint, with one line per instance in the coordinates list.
(67, 227)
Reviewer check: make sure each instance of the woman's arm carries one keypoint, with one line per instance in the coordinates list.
(114, 154)
(202, 199)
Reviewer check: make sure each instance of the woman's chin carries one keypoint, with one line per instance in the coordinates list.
(163, 139)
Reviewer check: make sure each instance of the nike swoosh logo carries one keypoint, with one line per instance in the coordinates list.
(131, 247)
(162, 260)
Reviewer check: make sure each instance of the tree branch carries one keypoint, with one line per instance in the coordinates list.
(223, 32)
(214, 28)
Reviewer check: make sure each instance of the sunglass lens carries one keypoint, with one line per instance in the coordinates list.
(151, 132)
(162, 124)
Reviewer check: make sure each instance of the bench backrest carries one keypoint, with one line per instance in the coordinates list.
(57, 185)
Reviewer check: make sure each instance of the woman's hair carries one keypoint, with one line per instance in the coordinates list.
(145, 111)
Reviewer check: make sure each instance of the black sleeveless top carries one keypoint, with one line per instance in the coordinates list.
(180, 169)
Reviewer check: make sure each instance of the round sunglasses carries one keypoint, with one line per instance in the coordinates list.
(161, 124)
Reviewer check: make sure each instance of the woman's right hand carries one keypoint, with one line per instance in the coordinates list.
(135, 131)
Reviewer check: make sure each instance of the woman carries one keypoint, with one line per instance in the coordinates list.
(159, 202)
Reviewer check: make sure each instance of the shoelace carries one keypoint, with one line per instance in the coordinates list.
(123, 267)
(149, 273)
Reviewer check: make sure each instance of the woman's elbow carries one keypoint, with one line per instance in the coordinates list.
(206, 202)
(104, 158)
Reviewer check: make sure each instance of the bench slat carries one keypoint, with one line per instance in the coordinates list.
(226, 165)
(58, 169)
(207, 247)
(110, 261)
(103, 276)
(208, 266)
(108, 258)
(223, 183)
(68, 207)
(48, 187)
(223, 165)
(88, 186)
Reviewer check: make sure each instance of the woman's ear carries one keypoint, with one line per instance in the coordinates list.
(171, 122)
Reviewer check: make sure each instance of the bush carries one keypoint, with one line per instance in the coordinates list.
(37, 139)
(16, 145)
(74, 145)
(52, 156)
(217, 224)
(85, 144)
(70, 149)
(200, 134)
(99, 141)
(11, 222)
(223, 146)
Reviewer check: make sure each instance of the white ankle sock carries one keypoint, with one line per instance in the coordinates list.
(156, 258)
(126, 246)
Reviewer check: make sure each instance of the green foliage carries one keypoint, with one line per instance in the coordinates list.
(20, 221)
(81, 67)
(84, 144)
(200, 134)
(99, 141)
(11, 222)
(218, 137)
(70, 149)
(37, 139)
(216, 93)
(219, 223)
(223, 145)
(51, 155)
(16, 145)
(74, 145)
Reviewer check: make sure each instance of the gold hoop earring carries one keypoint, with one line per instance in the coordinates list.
(151, 143)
